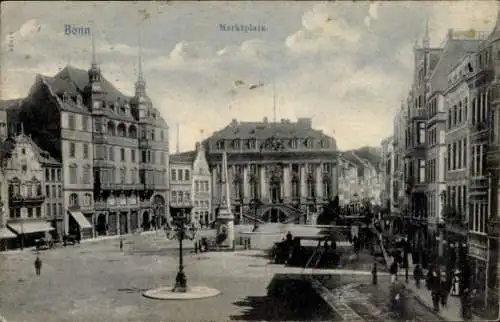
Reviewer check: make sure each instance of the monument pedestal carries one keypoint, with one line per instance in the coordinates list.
(225, 225)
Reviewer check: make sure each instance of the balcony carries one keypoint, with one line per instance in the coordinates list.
(478, 186)
(121, 186)
(479, 131)
(100, 205)
(19, 199)
(418, 114)
(144, 143)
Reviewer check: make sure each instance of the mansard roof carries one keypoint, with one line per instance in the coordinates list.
(454, 50)
(262, 130)
(183, 157)
(10, 104)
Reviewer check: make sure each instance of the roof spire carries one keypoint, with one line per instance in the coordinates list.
(140, 76)
(94, 61)
(426, 40)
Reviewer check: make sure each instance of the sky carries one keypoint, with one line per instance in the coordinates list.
(347, 65)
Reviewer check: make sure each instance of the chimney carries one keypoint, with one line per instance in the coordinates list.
(234, 122)
(265, 119)
(305, 121)
(450, 34)
(197, 146)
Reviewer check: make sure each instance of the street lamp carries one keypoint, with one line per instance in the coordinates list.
(254, 204)
(181, 231)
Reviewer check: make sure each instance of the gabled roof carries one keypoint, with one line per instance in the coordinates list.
(370, 155)
(183, 157)
(75, 81)
(42, 156)
(453, 51)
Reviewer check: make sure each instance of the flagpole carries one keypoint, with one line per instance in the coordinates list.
(274, 101)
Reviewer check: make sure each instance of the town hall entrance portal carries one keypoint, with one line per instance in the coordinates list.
(274, 215)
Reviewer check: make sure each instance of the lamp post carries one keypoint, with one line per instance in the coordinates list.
(254, 204)
(181, 231)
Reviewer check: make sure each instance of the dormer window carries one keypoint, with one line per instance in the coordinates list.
(307, 143)
(123, 110)
(236, 144)
(252, 144)
(112, 107)
(65, 97)
(220, 144)
(293, 143)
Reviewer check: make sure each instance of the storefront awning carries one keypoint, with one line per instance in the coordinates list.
(80, 219)
(30, 227)
(5, 233)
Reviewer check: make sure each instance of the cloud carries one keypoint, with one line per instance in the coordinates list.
(345, 65)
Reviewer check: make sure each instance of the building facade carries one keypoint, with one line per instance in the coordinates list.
(202, 189)
(278, 171)
(181, 182)
(24, 174)
(387, 167)
(113, 148)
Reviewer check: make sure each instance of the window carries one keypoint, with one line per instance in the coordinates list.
(71, 121)
(180, 196)
(311, 191)
(421, 133)
(72, 150)
(252, 144)
(295, 189)
(85, 151)
(132, 155)
(47, 191)
(179, 174)
(186, 175)
(122, 154)
(173, 175)
(111, 154)
(206, 185)
(47, 174)
(85, 122)
(422, 171)
(326, 189)
(54, 191)
(162, 157)
(58, 174)
(153, 134)
(86, 174)
(73, 201)
(30, 212)
(196, 186)
(123, 175)
(220, 145)
(162, 135)
(144, 157)
(47, 210)
(174, 196)
(73, 174)
(187, 197)
(59, 191)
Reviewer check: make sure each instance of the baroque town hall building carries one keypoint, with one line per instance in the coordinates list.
(278, 171)
(113, 149)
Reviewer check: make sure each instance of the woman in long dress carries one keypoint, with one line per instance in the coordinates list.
(455, 285)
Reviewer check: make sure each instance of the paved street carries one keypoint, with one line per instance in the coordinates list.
(96, 281)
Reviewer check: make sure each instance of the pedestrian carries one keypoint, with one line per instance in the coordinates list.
(444, 286)
(394, 271)
(435, 289)
(466, 304)
(121, 244)
(38, 266)
(455, 284)
(417, 275)
(374, 274)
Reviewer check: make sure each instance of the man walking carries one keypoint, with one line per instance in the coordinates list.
(38, 266)
(394, 271)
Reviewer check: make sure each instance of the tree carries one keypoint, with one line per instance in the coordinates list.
(330, 212)
(6, 148)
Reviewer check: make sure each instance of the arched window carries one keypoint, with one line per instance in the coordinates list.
(311, 191)
(87, 199)
(122, 130)
(73, 201)
(111, 129)
(132, 132)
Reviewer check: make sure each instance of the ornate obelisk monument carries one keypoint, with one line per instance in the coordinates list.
(225, 219)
